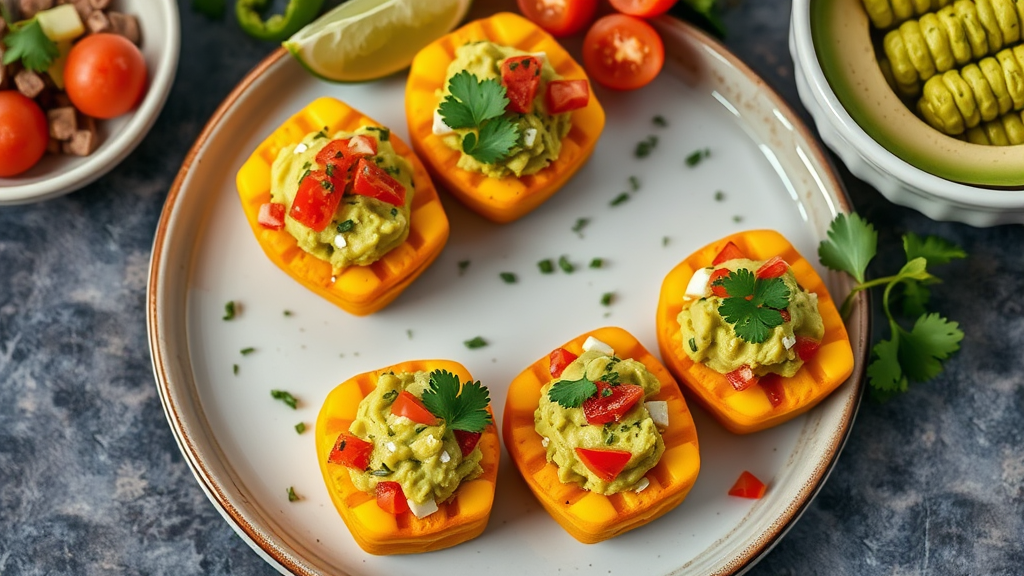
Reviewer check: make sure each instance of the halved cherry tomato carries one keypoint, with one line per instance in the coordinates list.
(611, 403)
(371, 180)
(806, 347)
(730, 252)
(271, 216)
(643, 8)
(742, 378)
(559, 17)
(412, 408)
(567, 95)
(351, 451)
(23, 133)
(718, 289)
(391, 498)
(748, 486)
(315, 201)
(606, 464)
(521, 77)
(772, 385)
(623, 52)
(467, 440)
(559, 359)
(105, 75)
(773, 268)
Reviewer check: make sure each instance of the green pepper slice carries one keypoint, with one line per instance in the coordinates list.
(278, 27)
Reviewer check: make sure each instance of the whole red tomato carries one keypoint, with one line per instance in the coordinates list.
(23, 133)
(105, 75)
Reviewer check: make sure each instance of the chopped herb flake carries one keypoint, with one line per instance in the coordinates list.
(597, 263)
(607, 298)
(580, 224)
(285, 397)
(247, 351)
(463, 264)
(287, 312)
(644, 147)
(634, 183)
(719, 195)
(508, 277)
(292, 496)
(737, 218)
(394, 212)
(383, 134)
(300, 427)
(346, 226)
(546, 266)
(565, 265)
(229, 310)
(659, 121)
(477, 342)
(619, 199)
(409, 334)
(384, 471)
(234, 369)
(664, 240)
(693, 344)
(390, 394)
(696, 156)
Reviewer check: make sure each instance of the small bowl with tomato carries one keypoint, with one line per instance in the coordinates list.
(75, 116)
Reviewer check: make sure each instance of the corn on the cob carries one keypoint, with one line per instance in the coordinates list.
(1007, 130)
(887, 13)
(958, 100)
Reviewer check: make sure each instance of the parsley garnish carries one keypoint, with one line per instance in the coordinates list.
(580, 224)
(696, 156)
(644, 147)
(619, 199)
(719, 195)
(565, 265)
(508, 277)
(25, 41)
(753, 304)
(572, 393)
(292, 496)
(300, 427)
(229, 310)
(907, 355)
(285, 397)
(597, 263)
(287, 312)
(480, 104)
(247, 351)
(475, 343)
(546, 266)
(345, 226)
(234, 369)
(462, 407)
(607, 298)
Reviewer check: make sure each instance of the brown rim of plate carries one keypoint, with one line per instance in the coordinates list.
(284, 559)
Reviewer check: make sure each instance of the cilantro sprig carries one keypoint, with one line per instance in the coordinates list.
(461, 406)
(25, 41)
(753, 304)
(572, 393)
(480, 105)
(916, 354)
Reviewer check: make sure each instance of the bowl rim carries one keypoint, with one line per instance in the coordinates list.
(131, 135)
(918, 180)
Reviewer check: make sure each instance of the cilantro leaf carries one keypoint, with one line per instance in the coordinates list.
(462, 407)
(884, 372)
(915, 298)
(26, 42)
(851, 245)
(497, 137)
(572, 393)
(753, 304)
(922, 349)
(472, 101)
(935, 250)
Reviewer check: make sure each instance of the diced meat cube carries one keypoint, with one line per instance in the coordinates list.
(62, 122)
(99, 4)
(126, 25)
(82, 143)
(30, 7)
(29, 83)
(97, 22)
(84, 9)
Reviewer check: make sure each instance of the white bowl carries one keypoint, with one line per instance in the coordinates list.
(56, 175)
(899, 181)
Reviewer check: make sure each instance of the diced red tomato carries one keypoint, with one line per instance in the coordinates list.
(773, 268)
(362, 145)
(730, 252)
(412, 408)
(559, 17)
(611, 403)
(333, 153)
(623, 52)
(748, 486)
(559, 359)
(742, 378)
(371, 180)
(606, 464)
(521, 77)
(718, 289)
(351, 451)
(567, 95)
(773, 388)
(786, 317)
(271, 216)
(391, 498)
(467, 440)
(806, 347)
(643, 8)
(316, 201)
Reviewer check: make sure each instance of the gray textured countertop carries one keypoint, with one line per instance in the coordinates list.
(92, 482)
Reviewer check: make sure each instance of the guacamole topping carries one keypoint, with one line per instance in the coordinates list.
(363, 229)
(566, 429)
(425, 460)
(708, 338)
(540, 134)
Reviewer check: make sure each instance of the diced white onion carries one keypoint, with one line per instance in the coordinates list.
(422, 510)
(300, 148)
(440, 128)
(698, 285)
(641, 485)
(542, 56)
(339, 241)
(391, 446)
(545, 441)
(529, 137)
(789, 341)
(445, 457)
(598, 346)
(658, 410)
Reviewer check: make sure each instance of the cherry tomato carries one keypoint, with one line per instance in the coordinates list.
(623, 52)
(521, 77)
(806, 347)
(351, 451)
(371, 180)
(105, 75)
(271, 216)
(558, 360)
(23, 133)
(611, 403)
(773, 388)
(643, 8)
(773, 268)
(467, 440)
(391, 498)
(606, 464)
(730, 252)
(559, 17)
(412, 408)
(748, 486)
(567, 95)
(316, 201)
(741, 378)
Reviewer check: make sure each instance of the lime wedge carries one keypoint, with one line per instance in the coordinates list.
(367, 39)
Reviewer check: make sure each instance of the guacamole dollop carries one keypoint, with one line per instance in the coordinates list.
(425, 460)
(376, 227)
(531, 154)
(567, 428)
(708, 338)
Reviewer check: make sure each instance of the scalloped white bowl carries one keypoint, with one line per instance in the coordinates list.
(897, 180)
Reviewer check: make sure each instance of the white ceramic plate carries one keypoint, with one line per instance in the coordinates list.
(56, 175)
(241, 443)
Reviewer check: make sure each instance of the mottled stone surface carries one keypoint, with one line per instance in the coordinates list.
(92, 482)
